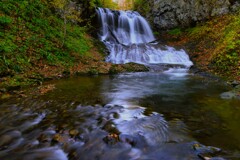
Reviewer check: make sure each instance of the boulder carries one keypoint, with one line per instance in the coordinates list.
(168, 14)
(233, 94)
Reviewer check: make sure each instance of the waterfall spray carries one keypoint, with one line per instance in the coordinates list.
(129, 38)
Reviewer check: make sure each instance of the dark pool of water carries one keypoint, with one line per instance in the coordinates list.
(170, 115)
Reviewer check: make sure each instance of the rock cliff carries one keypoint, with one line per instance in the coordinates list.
(167, 14)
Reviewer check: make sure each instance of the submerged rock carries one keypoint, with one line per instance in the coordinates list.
(128, 67)
(7, 138)
(201, 149)
(233, 94)
(228, 95)
(234, 83)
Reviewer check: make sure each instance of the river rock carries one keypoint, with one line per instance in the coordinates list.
(212, 158)
(168, 14)
(234, 83)
(201, 149)
(233, 94)
(228, 95)
(9, 137)
(73, 132)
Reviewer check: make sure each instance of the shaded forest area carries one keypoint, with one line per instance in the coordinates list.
(213, 42)
(214, 46)
(43, 39)
(34, 34)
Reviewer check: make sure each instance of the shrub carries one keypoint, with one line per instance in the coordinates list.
(5, 20)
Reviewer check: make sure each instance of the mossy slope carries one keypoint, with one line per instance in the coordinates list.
(213, 46)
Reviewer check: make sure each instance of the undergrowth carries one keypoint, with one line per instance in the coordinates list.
(32, 31)
(214, 44)
(224, 33)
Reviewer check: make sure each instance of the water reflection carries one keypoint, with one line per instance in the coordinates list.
(128, 116)
(127, 89)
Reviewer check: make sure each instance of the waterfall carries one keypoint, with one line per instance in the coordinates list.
(129, 38)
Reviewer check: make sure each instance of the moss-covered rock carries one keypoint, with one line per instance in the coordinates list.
(128, 67)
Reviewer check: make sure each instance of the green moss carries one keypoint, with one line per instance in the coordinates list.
(143, 6)
(5, 20)
(214, 45)
(227, 53)
(176, 31)
(31, 30)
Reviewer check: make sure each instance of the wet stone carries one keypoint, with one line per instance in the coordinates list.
(237, 87)
(30, 145)
(113, 115)
(228, 95)
(45, 138)
(8, 137)
(235, 83)
(111, 128)
(62, 139)
(73, 132)
(127, 139)
(201, 149)
(102, 121)
(111, 132)
(210, 158)
(217, 158)
(111, 139)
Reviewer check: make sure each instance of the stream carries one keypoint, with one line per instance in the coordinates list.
(151, 115)
(168, 113)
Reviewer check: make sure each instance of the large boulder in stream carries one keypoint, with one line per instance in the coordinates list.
(167, 14)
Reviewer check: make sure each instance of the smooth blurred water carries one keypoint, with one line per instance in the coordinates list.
(129, 38)
(156, 116)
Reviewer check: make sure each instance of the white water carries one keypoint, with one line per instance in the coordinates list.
(128, 38)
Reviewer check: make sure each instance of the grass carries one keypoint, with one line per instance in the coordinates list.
(176, 31)
(31, 31)
(214, 45)
(221, 39)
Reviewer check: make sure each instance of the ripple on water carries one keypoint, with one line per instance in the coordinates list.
(154, 129)
(50, 153)
(64, 129)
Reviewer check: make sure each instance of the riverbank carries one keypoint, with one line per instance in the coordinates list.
(93, 64)
(213, 46)
(39, 43)
(37, 49)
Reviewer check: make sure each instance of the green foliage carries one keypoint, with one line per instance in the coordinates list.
(5, 20)
(156, 33)
(221, 39)
(7, 46)
(199, 31)
(176, 31)
(100, 3)
(143, 6)
(108, 4)
(30, 30)
(91, 4)
(227, 55)
(226, 62)
(7, 6)
(77, 45)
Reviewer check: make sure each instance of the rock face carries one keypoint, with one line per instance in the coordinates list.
(167, 14)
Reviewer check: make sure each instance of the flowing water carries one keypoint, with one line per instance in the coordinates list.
(129, 38)
(150, 115)
(169, 114)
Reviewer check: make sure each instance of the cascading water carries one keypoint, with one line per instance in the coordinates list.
(129, 38)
